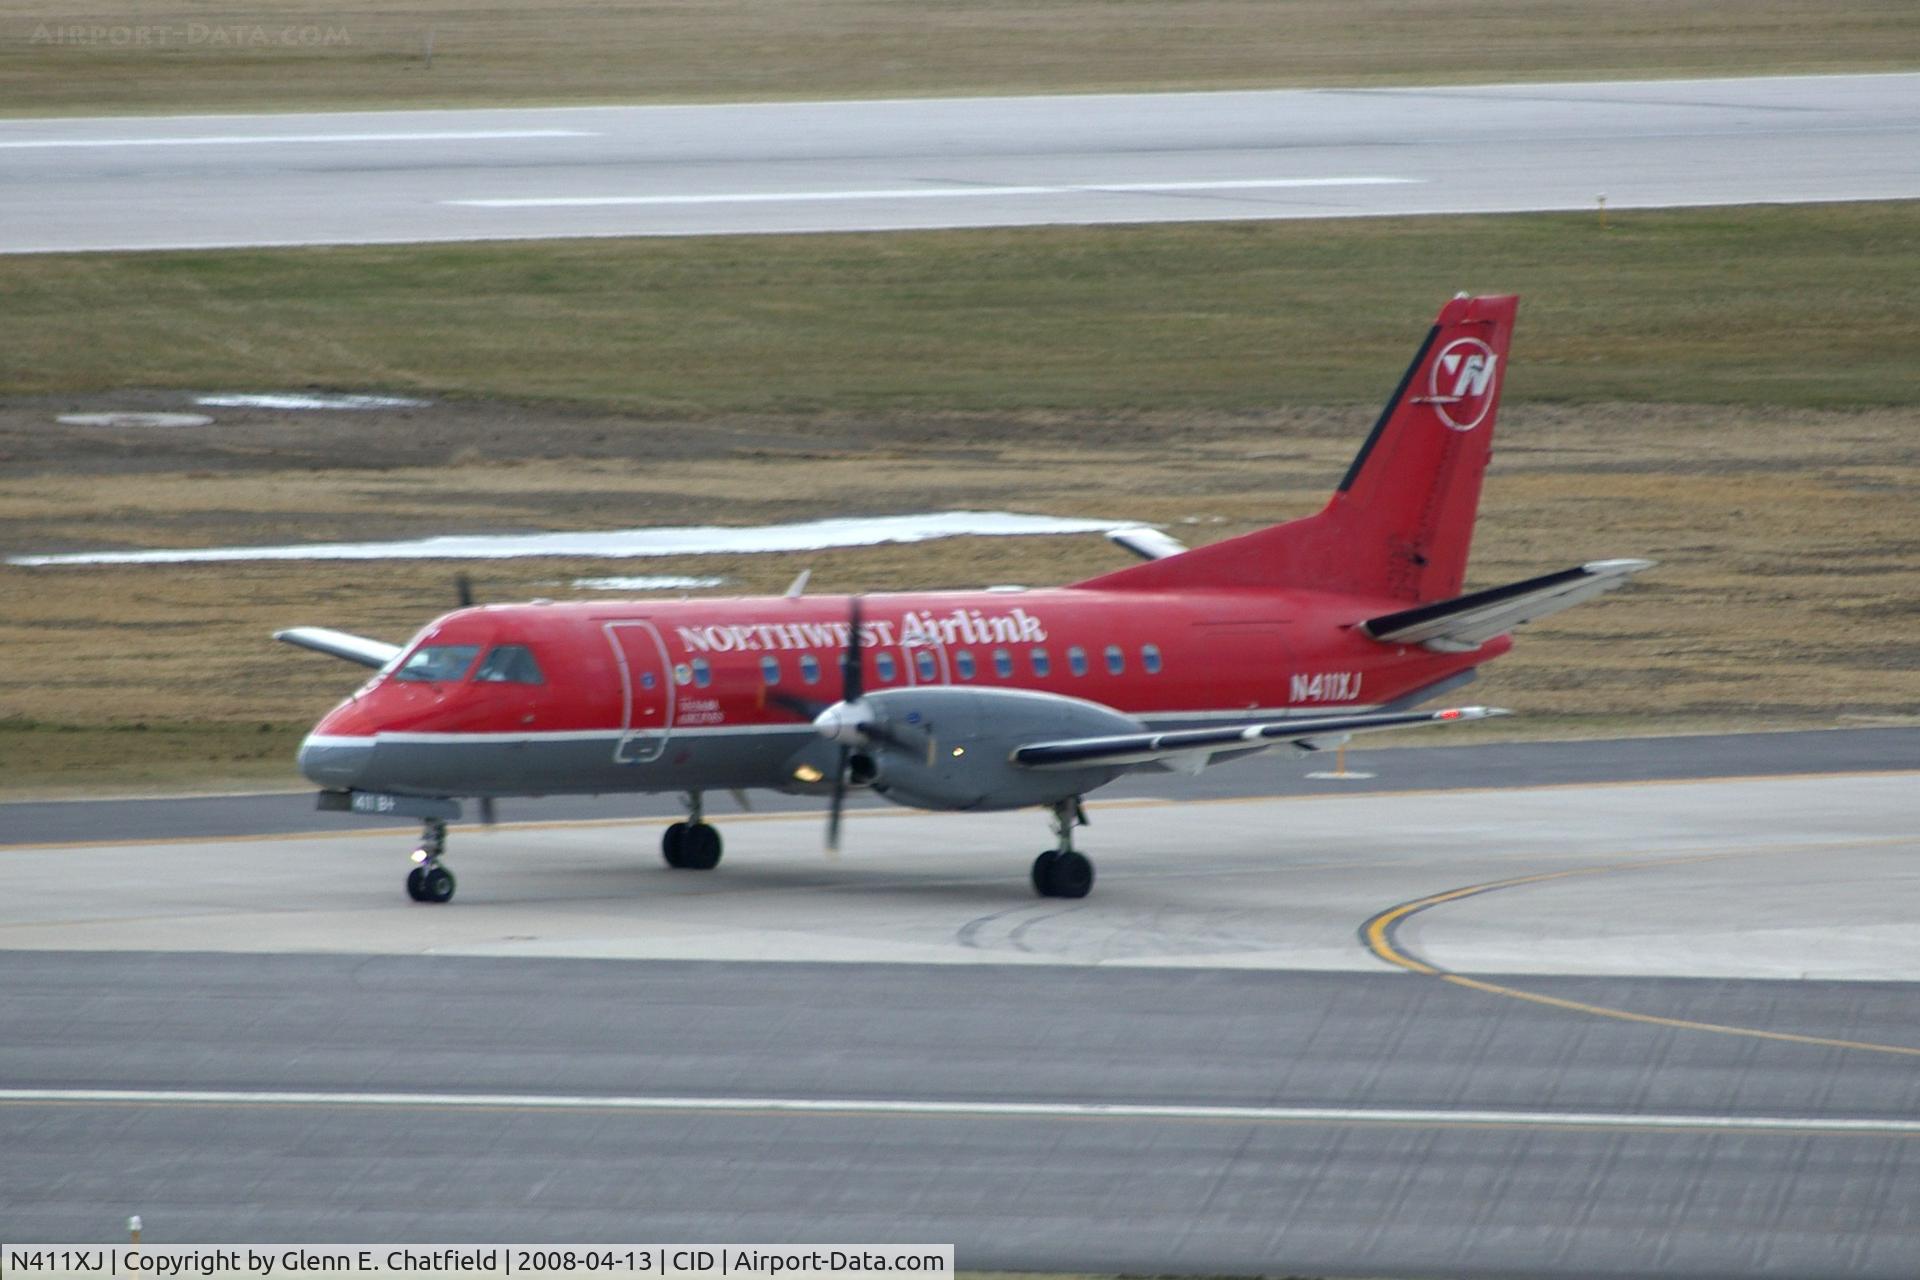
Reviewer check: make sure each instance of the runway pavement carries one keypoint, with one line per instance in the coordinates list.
(986, 1138)
(1278, 1038)
(376, 177)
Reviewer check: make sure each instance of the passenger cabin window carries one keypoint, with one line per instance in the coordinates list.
(770, 669)
(928, 670)
(963, 663)
(1116, 660)
(1077, 659)
(510, 664)
(1003, 664)
(1042, 664)
(809, 668)
(883, 664)
(438, 662)
(702, 672)
(1150, 658)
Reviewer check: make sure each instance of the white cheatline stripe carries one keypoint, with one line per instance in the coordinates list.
(273, 139)
(983, 1110)
(928, 193)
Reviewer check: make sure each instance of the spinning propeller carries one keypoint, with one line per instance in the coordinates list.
(852, 722)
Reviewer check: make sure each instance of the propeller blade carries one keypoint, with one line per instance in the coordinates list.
(463, 590)
(805, 708)
(488, 816)
(839, 800)
(853, 685)
(852, 673)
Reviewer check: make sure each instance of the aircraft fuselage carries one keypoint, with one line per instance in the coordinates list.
(686, 695)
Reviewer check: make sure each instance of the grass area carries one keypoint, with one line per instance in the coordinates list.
(51, 759)
(111, 56)
(1788, 305)
(1726, 391)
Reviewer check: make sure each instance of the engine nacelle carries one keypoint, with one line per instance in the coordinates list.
(973, 732)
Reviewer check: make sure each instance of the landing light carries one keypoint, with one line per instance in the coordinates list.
(807, 773)
(419, 855)
(958, 752)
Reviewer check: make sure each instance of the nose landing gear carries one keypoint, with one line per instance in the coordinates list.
(430, 881)
(1061, 872)
(691, 845)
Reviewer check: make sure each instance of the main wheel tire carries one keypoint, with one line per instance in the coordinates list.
(673, 844)
(437, 884)
(1043, 872)
(417, 884)
(1058, 874)
(700, 851)
(1072, 875)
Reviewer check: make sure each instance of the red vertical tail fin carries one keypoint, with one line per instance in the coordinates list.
(1401, 522)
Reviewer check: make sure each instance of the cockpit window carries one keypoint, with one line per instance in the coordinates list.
(438, 662)
(510, 664)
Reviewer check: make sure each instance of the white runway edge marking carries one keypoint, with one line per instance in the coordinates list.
(968, 1110)
(271, 139)
(927, 193)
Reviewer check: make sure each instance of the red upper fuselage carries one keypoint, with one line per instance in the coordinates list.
(740, 662)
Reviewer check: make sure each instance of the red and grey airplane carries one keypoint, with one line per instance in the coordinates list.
(1294, 636)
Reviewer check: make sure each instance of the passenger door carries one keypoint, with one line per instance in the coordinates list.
(647, 690)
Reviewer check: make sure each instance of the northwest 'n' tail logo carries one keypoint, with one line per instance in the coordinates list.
(1460, 383)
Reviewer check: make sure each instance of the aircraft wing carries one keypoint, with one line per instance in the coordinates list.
(1148, 543)
(1178, 746)
(341, 644)
(1464, 623)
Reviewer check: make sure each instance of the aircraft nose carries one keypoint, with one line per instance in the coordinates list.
(335, 762)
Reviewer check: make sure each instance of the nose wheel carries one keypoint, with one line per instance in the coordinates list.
(1062, 872)
(430, 881)
(691, 845)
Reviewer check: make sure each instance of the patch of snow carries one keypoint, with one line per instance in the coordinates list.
(307, 400)
(657, 582)
(621, 544)
(127, 419)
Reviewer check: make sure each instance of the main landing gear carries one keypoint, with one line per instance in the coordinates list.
(1061, 872)
(691, 845)
(430, 881)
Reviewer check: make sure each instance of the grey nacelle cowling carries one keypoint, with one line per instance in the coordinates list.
(974, 731)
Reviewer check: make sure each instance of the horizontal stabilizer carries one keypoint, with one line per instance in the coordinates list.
(1464, 623)
(340, 644)
(1185, 745)
(1147, 543)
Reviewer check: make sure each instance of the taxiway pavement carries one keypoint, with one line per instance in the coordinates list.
(1375, 769)
(382, 177)
(1758, 877)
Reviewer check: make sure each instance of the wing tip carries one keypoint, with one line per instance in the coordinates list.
(1620, 567)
